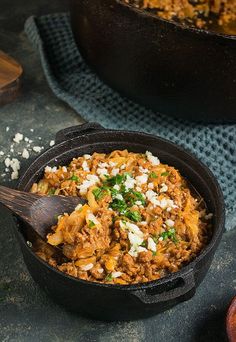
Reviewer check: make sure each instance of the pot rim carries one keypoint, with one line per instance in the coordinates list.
(139, 286)
(196, 30)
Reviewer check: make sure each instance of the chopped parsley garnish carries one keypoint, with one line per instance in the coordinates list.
(119, 205)
(122, 199)
(133, 215)
(118, 179)
(144, 244)
(164, 235)
(133, 196)
(51, 191)
(169, 234)
(155, 238)
(153, 175)
(114, 192)
(165, 174)
(109, 277)
(98, 193)
(91, 224)
(75, 178)
(154, 253)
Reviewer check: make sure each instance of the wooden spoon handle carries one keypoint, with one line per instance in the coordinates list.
(18, 202)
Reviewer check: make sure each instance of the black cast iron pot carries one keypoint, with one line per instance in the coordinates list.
(120, 302)
(185, 72)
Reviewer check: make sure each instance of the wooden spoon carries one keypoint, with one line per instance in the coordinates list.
(40, 212)
(231, 321)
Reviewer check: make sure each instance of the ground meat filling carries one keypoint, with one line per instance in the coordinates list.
(141, 221)
(197, 12)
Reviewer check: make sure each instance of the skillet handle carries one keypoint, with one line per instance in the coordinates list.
(182, 287)
(74, 131)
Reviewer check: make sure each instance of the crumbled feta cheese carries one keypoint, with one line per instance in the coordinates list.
(15, 164)
(100, 270)
(30, 141)
(18, 137)
(129, 183)
(164, 188)
(31, 129)
(142, 170)
(92, 218)
(25, 154)
(116, 274)
(90, 180)
(165, 203)
(87, 267)
(1, 153)
(116, 187)
(144, 223)
(112, 164)
(78, 207)
(141, 249)
(87, 156)
(123, 166)
(133, 251)
(170, 223)
(26, 139)
(138, 189)
(153, 160)
(14, 175)
(161, 238)
(52, 142)
(85, 166)
(141, 179)
(7, 129)
(133, 228)
(150, 186)
(7, 162)
(150, 194)
(114, 172)
(103, 165)
(152, 197)
(119, 197)
(102, 172)
(50, 169)
(37, 149)
(151, 245)
(138, 203)
(39, 138)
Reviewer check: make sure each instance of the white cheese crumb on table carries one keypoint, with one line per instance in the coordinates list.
(18, 138)
(25, 154)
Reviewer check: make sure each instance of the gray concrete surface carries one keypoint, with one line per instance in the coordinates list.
(26, 313)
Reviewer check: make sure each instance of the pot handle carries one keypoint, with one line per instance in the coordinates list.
(184, 286)
(74, 131)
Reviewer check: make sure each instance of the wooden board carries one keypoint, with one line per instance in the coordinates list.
(10, 72)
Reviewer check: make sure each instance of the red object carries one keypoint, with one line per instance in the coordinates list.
(231, 321)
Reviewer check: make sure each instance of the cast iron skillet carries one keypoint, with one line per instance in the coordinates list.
(119, 302)
(185, 72)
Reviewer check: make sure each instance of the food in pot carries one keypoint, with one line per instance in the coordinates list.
(198, 12)
(141, 222)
